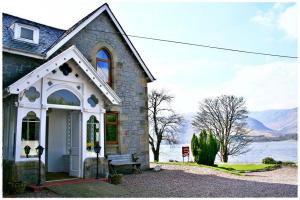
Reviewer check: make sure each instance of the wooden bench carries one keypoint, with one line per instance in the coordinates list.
(123, 159)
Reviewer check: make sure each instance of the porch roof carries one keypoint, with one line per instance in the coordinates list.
(71, 53)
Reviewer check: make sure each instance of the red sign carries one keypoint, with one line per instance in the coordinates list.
(185, 151)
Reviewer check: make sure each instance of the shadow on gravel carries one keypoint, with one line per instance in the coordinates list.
(178, 183)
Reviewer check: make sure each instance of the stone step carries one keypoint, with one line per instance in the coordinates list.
(47, 184)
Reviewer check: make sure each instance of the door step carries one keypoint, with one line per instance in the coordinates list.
(65, 179)
(47, 184)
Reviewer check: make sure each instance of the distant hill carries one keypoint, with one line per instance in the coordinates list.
(257, 125)
(282, 121)
(265, 125)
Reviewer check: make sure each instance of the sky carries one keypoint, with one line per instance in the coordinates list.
(189, 73)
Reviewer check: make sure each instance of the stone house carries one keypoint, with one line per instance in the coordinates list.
(68, 90)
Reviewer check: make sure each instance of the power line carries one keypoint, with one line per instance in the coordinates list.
(205, 46)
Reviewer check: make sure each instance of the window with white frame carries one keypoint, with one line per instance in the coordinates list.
(26, 33)
(30, 134)
(92, 133)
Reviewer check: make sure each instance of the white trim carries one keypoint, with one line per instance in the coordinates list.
(100, 117)
(28, 105)
(102, 133)
(42, 136)
(22, 53)
(21, 113)
(46, 68)
(119, 28)
(18, 135)
(64, 107)
(17, 33)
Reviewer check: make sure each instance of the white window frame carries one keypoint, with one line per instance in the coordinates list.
(17, 33)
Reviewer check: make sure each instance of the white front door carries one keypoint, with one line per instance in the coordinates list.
(75, 150)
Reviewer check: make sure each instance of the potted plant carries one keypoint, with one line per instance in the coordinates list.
(89, 146)
(17, 187)
(116, 178)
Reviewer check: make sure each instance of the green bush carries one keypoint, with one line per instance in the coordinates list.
(289, 163)
(204, 148)
(269, 160)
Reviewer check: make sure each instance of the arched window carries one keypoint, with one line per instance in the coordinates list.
(63, 97)
(103, 62)
(30, 134)
(92, 133)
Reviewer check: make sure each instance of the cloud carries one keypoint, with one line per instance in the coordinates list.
(264, 18)
(280, 17)
(188, 80)
(267, 86)
(288, 22)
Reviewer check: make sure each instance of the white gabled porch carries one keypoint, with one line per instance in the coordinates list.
(61, 107)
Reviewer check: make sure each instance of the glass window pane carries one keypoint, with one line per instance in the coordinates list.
(111, 117)
(30, 134)
(104, 66)
(32, 94)
(63, 97)
(111, 132)
(92, 100)
(103, 55)
(26, 33)
(31, 116)
(92, 135)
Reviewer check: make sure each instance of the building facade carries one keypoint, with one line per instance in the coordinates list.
(68, 90)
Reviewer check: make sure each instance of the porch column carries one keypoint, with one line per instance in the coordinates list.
(102, 131)
(18, 134)
(84, 118)
(42, 135)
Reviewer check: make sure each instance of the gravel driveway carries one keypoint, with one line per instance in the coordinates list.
(190, 181)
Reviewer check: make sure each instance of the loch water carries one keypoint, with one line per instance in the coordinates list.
(279, 150)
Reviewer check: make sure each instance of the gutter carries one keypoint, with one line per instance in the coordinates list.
(23, 53)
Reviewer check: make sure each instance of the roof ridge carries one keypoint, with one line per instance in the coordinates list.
(74, 26)
(33, 22)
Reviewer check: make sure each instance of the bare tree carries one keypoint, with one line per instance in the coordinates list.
(164, 122)
(226, 117)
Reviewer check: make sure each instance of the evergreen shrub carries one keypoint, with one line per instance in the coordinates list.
(205, 148)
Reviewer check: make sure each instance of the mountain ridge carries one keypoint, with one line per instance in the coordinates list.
(279, 123)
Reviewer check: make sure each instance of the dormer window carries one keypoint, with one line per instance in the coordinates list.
(26, 33)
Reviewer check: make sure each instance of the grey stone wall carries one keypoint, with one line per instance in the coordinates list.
(90, 168)
(26, 172)
(17, 66)
(129, 82)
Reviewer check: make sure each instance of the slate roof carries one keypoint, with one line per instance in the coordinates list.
(74, 27)
(48, 36)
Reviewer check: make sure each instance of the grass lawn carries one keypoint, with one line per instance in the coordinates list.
(237, 169)
(95, 189)
(247, 167)
(206, 166)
